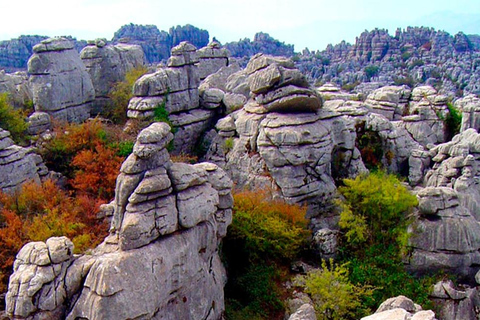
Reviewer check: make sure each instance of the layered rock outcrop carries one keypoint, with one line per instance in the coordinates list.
(60, 83)
(15, 53)
(108, 64)
(17, 87)
(282, 138)
(17, 164)
(159, 262)
(176, 89)
(211, 59)
(262, 43)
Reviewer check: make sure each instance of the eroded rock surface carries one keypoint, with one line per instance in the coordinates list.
(108, 64)
(17, 164)
(174, 88)
(60, 83)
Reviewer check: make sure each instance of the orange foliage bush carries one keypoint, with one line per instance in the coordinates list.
(38, 212)
(96, 172)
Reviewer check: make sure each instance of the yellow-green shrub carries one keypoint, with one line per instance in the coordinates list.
(334, 296)
(269, 228)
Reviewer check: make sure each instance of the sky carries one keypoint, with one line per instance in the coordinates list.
(303, 23)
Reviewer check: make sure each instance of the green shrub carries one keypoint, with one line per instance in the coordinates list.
(228, 145)
(453, 121)
(12, 120)
(382, 268)
(264, 237)
(371, 71)
(375, 210)
(334, 296)
(269, 228)
(374, 221)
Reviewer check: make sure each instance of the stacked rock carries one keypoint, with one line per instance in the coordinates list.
(17, 164)
(108, 64)
(282, 138)
(176, 89)
(16, 85)
(38, 284)
(401, 308)
(60, 83)
(168, 220)
(427, 111)
(389, 101)
(470, 108)
(211, 58)
(445, 236)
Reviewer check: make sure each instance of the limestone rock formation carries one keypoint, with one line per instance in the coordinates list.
(305, 312)
(174, 88)
(470, 108)
(282, 138)
(446, 233)
(455, 303)
(262, 43)
(211, 58)
(413, 56)
(17, 87)
(14, 53)
(59, 80)
(161, 259)
(108, 64)
(17, 164)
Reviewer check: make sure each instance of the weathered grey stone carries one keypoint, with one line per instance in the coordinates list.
(211, 59)
(305, 312)
(54, 65)
(394, 314)
(38, 123)
(60, 249)
(107, 65)
(397, 302)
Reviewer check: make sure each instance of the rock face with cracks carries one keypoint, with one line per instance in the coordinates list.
(108, 64)
(161, 258)
(18, 164)
(174, 88)
(60, 83)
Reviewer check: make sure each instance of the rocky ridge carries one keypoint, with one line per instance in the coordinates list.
(168, 219)
(157, 44)
(412, 56)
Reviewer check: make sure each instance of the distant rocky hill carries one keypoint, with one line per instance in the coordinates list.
(157, 44)
(412, 56)
(262, 42)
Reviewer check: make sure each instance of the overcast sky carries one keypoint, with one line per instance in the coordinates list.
(304, 23)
